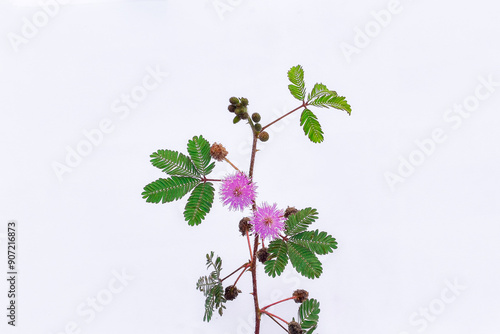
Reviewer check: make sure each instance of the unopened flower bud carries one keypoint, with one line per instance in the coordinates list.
(264, 136)
(234, 100)
(245, 226)
(291, 210)
(239, 110)
(258, 127)
(231, 292)
(244, 115)
(231, 108)
(256, 117)
(236, 119)
(218, 152)
(262, 254)
(294, 328)
(244, 101)
(300, 295)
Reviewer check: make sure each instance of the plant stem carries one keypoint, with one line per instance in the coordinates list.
(253, 264)
(213, 180)
(276, 321)
(304, 105)
(242, 272)
(232, 164)
(274, 315)
(249, 246)
(281, 301)
(234, 272)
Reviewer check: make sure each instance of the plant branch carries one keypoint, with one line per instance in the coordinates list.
(276, 321)
(249, 246)
(273, 315)
(281, 301)
(304, 105)
(229, 162)
(234, 272)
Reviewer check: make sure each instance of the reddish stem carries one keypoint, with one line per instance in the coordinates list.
(273, 315)
(249, 246)
(304, 105)
(240, 275)
(234, 272)
(281, 301)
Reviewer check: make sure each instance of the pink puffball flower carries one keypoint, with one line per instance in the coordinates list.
(238, 191)
(268, 221)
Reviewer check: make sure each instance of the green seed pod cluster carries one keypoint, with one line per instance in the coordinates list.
(239, 107)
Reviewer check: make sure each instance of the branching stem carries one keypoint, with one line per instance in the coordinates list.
(234, 272)
(274, 316)
(304, 105)
(281, 301)
(229, 162)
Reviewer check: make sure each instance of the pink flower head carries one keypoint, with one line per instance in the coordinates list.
(237, 191)
(268, 221)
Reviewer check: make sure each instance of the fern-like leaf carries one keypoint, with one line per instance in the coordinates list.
(318, 242)
(168, 190)
(312, 128)
(304, 261)
(298, 86)
(174, 163)
(278, 258)
(319, 90)
(309, 315)
(199, 150)
(199, 203)
(299, 221)
(331, 100)
(212, 288)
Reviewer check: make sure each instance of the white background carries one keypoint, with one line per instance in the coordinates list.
(399, 248)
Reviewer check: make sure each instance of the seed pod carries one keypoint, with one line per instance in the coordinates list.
(294, 328)
(218, 152)
(231, 292)
(244, 226)
(264, 136)
(262, 254)
(300, 295)
(291, 210)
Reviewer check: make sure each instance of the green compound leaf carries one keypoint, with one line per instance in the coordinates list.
(318, 90)
(168, 190)
(174, 163)
(309, 315)
(311, 126)
(299, 222)
(199, 203)
(318, 242)
(199, 151)
(304, 261)
(278, 258)
(331, 100)
(212, 288)
(298, 86)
